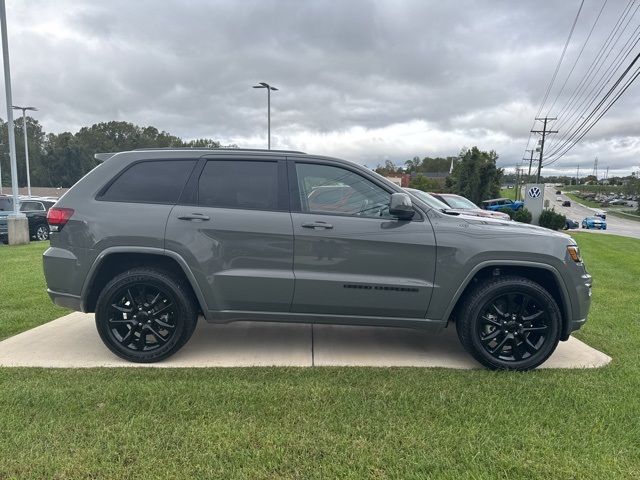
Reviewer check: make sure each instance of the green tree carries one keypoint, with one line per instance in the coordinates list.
(475, 175)
(389, 169)
(420, 182)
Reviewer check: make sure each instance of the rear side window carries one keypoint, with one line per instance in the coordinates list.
(239, 184)
(31, 207)
(157, 181)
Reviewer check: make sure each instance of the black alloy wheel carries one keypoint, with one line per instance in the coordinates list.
(509, 323)
(145, 315)
(142, 317)
(513, 327)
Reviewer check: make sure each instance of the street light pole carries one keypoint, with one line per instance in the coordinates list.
(269, 88)
(7, 88)
(26, 144)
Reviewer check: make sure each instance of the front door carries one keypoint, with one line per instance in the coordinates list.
(351, 256)
(235, 233)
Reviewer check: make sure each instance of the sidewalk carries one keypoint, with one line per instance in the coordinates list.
(73, 342)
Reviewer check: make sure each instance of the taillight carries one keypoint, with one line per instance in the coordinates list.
(58, 217)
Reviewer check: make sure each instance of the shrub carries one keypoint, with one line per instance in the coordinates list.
(552, 220)
(508, 211)
(523, 216)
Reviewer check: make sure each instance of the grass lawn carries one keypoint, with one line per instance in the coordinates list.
(323, 423)
(508, 193)
(24, 302)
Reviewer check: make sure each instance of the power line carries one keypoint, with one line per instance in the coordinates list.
(591, 69)
(555, 73)
(618, 60)
(628, 83)
(578, 57)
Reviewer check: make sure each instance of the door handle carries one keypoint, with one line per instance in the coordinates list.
(315, 225)
(194, 216)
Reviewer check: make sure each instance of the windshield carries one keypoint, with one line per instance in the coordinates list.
(428, 199)
(460, 202)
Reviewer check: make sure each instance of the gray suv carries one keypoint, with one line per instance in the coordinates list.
(151, 239)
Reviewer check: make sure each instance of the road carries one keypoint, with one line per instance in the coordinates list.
(615, 225)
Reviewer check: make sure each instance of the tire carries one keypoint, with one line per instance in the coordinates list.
(509, 323)
(41, 232)
(145, 315)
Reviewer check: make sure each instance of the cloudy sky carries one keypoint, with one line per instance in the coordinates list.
(364, 80)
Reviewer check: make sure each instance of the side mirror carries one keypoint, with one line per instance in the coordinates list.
(400, 206)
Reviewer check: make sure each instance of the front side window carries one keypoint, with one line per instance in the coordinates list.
(329, 189)
(157, 181)
(242, 184)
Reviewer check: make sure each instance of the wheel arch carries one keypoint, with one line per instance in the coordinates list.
(116, 260)
(545, 275)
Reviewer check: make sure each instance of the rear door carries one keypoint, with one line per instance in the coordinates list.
(233, 227)
(351, 256)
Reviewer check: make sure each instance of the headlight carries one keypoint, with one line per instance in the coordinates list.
(574, 253)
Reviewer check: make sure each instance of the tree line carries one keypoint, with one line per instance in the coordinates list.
(475, 174)
(60, 160)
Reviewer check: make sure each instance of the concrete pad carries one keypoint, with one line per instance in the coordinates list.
(73, 342)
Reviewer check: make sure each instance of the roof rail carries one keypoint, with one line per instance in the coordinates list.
(103, 157)
(225, 149)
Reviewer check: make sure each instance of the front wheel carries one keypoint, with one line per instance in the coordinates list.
(509, 323)
(145, 315)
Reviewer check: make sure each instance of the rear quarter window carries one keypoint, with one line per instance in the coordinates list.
(152, 181)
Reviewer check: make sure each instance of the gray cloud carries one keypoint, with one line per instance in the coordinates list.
(370, 80)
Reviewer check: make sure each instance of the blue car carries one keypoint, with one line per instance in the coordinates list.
(594, 222)
(499, 203)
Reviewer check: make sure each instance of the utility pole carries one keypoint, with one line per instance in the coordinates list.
(578, 175)
(530, 163)
(544, 133)
(606, 175)
(517, 180)
(595, 168)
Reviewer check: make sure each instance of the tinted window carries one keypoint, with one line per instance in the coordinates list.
(239, 184)
(158, 181)
(31, 207)
(328, 189)
(6, 204)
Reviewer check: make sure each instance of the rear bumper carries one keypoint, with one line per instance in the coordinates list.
(66, 300)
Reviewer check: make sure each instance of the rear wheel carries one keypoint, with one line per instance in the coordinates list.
(42, 232)
(509, 323)
(145, 315)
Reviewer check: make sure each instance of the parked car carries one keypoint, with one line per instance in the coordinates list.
(600, 213)
(429, 199)
(35, 210)
(498, 203)
(571, 224)
(566, 203)
(618, 201)
(594, 222)
(151, 239)
(464, 205)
